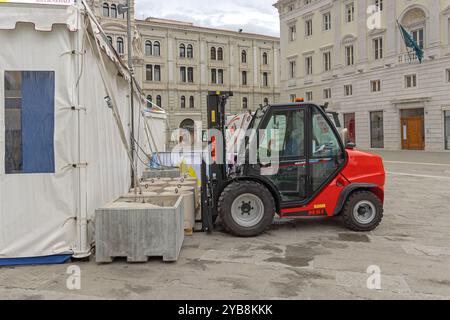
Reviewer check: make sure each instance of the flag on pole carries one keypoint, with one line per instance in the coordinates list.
(411, 43)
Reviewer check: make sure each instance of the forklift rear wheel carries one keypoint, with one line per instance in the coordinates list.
(363, 211)
(246, 208)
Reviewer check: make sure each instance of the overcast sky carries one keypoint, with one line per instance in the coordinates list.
(256, 16)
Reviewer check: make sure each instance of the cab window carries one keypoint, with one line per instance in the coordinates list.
(327, 154)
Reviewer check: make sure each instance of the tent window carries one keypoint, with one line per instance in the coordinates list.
(29, 122)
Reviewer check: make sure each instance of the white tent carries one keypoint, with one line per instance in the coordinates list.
(63, 148)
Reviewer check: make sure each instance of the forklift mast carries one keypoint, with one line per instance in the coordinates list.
(214, 175)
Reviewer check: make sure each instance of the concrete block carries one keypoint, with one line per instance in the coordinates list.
(139, 228)
(189, 206)
(165, 173)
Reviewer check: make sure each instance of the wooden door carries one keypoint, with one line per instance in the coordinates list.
(412, 133)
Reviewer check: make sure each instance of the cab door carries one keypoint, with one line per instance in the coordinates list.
(282, 152)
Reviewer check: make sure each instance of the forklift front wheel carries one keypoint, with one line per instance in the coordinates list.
(363, 211)
(246, 208)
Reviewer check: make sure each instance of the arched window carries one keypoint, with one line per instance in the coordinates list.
(265, 58)
(105, 9)
(156, 48)
(190, 51)
(190, 74)
(182, 51)
(158, 101)
(244, 56)
(244, 103)
(149, 100)
(266, 101)
(149, 72)
(213, 53)
(191, 102)
(415, 21)
(148, 48)
(120, 47)
(110, 40)
(183, 102)
(220, 54)
(113, 11)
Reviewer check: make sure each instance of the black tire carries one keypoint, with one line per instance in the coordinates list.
(242, 188)
(356, 198)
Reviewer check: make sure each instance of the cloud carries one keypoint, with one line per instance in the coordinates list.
(256, 16)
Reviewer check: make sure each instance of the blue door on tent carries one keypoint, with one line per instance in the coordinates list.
(29, 122)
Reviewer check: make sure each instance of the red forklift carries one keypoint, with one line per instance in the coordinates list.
(313, 175)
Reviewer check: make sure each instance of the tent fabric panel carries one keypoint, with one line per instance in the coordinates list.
(43, 18)
(56, 259)
(38, 211)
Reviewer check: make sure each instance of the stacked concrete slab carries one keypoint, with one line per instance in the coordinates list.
(140, 227)
(165, 173)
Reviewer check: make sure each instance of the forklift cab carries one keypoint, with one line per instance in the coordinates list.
(298, 151)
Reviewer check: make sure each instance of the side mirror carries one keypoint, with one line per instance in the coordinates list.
(351, 145)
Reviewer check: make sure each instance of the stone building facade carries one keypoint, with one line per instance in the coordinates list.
(351, 54)
(178, 63)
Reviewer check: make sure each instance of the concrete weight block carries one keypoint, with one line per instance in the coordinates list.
(140, 228)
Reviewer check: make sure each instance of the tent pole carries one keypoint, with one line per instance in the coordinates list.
(130, 66)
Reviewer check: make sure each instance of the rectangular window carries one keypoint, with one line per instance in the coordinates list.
(220, 76)
(378, 48)
(377, 130)
(183, 74)
(309, 65)
(265, 79)
(447, 129)
(308, 28)
(349, 55)
(292, 66)
(327, 21)
(447, 75)
(29, 122)
(309, 96)
(213, 76)
(157, 71)
(375, 86)
(348, 90)
(350, 12)
(327, 94)
(411, 81)
(418, 35)
(149, 72)
(293, 97)
(327, 61)
(292, 32)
